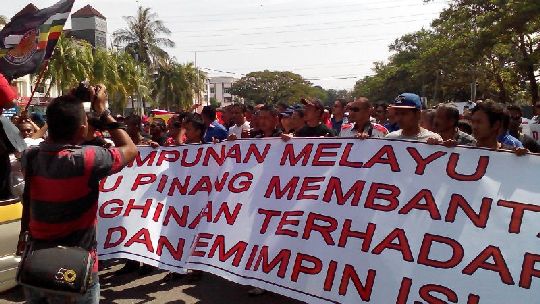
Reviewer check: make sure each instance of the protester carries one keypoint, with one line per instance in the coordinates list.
(93, 136)
(446, 122)
(359, 121)
(254, 124)
(504, 136)
(195, 128)
(426, 119)
(338, 115)
(516, 116)
(380, 113)
(158, 131)
(312, 116)
(241, 126)
(268, 123)
(488, 119)
(214, 130)
(465, 126)
(391, 125)
(407, 107)
(298, 120)
(62, 162)
(536, 117)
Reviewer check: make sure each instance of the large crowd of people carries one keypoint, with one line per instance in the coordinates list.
(90, 145)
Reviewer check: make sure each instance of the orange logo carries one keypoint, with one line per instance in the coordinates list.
(26, 48)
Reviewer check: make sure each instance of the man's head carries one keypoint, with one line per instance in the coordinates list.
(313, 110)
(237, 113)
(515, 115)
(208, 114)
(487, 120)
(446, 118)
(298, 119)
(380, 112)
(360, 111)
(157, 128)
(281, 107)
(195, 128)
(27, 129)
(339, 107)
(268, 118)
(66, 120)
(133, 124)
(407, 108)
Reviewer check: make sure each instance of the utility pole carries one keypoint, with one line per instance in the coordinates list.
(198, 80)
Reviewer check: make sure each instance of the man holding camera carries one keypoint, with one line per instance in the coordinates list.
(62, 177)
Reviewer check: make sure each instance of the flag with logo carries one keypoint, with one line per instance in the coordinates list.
(30, 37)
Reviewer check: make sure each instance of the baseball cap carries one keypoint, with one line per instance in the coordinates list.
(407, 101)
(312, 102)
(288, 112)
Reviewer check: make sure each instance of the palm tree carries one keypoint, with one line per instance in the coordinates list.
(143, 37)
(177, 84)
(71, 62)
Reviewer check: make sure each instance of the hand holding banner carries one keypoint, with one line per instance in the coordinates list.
(334, 220)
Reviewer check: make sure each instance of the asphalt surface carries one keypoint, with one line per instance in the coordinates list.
(130, 288)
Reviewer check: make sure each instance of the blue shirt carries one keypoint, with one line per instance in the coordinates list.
(391, 127)
(336, 125)
(215, 130)
(509, 141)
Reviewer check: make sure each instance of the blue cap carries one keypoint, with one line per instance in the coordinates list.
(408, 101)
(288, 112)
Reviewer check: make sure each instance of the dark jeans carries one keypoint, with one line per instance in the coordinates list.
(34, 296)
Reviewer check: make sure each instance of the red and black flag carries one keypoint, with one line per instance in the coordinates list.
(30, 37)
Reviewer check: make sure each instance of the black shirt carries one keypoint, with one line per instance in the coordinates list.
(260, 134)
(318, 131)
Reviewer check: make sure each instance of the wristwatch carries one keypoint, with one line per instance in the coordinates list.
(115, 125)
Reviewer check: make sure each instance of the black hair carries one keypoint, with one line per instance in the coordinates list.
(385, 106)
(196, 121)
(514, 108)
(209, 112)
(465, 126)
(452, 112)
(249, 108)
(342, 102)
(270, 109)
(238, 105)
(494, 111)
(300, 112)
(65, 114)
(282, 104)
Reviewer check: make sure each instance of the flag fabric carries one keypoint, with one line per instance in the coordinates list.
(30, 37)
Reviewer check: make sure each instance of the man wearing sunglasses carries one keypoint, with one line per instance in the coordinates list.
(359, 121)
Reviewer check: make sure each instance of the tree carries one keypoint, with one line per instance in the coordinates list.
(3, 20)
(143, 37)
(71, 62)
(273, 87)
(177, 84)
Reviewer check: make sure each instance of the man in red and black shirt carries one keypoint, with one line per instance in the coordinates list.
(63, 182)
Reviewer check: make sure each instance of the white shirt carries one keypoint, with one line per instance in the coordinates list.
(422, 136)
(377, 130)
(30, 142)
(237, 130)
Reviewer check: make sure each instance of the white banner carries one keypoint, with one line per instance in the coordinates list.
(334, 220)
(533, 130)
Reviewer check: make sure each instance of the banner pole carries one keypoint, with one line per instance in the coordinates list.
(38, 82)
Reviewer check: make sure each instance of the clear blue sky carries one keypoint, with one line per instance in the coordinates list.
(319, 39)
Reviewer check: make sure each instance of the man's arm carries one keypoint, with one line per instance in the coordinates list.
(121, 139)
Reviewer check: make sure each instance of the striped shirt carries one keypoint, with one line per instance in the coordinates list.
(64, 191)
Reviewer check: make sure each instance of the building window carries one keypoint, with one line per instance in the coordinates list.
(212, 90)
(227, 90)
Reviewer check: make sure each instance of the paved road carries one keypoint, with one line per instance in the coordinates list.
(130, 289)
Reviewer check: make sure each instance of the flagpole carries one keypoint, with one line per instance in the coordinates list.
(38, 82)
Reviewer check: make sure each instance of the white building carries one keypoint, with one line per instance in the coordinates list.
(219, 88)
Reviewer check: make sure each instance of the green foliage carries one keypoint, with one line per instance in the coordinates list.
(272, 87)
(495, 44)
(177, 85)
(143, 38)
(214, 103)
